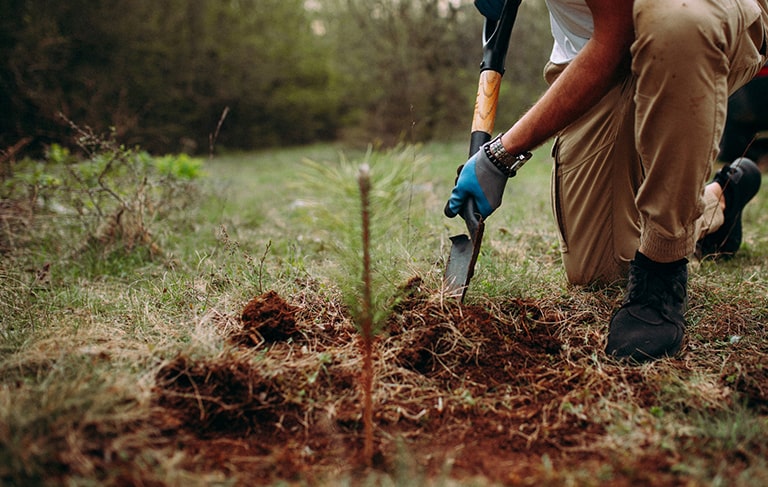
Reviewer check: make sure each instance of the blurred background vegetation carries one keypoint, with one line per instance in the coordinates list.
(161, 75)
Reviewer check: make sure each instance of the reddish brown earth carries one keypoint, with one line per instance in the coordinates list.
(457, 389)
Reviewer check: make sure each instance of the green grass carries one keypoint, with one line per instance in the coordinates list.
(83, 333)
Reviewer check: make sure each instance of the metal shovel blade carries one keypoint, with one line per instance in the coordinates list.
(461, 262)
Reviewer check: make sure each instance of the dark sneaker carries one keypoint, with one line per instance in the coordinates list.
(650, 324)
(740, 182)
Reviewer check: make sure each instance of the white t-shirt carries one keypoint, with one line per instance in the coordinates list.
(572, 26)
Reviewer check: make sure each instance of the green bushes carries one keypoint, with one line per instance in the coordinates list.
(110, 198)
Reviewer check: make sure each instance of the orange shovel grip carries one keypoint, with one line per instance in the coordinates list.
(485, 104)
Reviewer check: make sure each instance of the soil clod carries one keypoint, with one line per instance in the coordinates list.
(267, 316)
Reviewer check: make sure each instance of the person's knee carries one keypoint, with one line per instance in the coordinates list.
(586, 272)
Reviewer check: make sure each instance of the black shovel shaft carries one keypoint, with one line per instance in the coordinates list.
(496, 35)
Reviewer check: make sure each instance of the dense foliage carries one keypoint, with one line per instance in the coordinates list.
(164, 75)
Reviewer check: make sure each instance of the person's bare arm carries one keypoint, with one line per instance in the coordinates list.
(586, 79)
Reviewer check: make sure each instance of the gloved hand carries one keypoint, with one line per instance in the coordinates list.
(478, 179)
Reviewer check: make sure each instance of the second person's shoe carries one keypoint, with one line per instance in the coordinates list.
(740, 181)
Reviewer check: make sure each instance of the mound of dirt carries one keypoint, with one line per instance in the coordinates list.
(221, 397)
(469, 341)
(266, 317)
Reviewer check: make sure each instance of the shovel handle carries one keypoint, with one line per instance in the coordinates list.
(496, 34)
(482, 126)
(484, 118)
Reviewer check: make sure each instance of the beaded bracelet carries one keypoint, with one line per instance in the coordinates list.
(504, 161)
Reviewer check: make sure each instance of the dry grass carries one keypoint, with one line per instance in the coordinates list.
(233, 358)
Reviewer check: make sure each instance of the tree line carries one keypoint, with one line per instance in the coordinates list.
(175, 75)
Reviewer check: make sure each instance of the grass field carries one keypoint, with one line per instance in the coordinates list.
(216, 345)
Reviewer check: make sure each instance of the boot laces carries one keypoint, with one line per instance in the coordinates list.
(665, 293)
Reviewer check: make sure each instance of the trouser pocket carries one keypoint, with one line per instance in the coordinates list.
(556, 196)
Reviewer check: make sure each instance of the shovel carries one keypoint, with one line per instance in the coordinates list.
(465, 248)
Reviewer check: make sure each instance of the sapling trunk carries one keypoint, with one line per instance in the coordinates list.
(366, 316)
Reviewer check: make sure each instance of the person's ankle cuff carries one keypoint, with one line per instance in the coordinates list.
(646, 263)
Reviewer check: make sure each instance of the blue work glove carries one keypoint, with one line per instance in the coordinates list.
(481, 180)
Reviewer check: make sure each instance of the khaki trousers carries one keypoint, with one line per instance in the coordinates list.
(630, 174)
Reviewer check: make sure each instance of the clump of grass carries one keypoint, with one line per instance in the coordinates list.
(55, 409)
